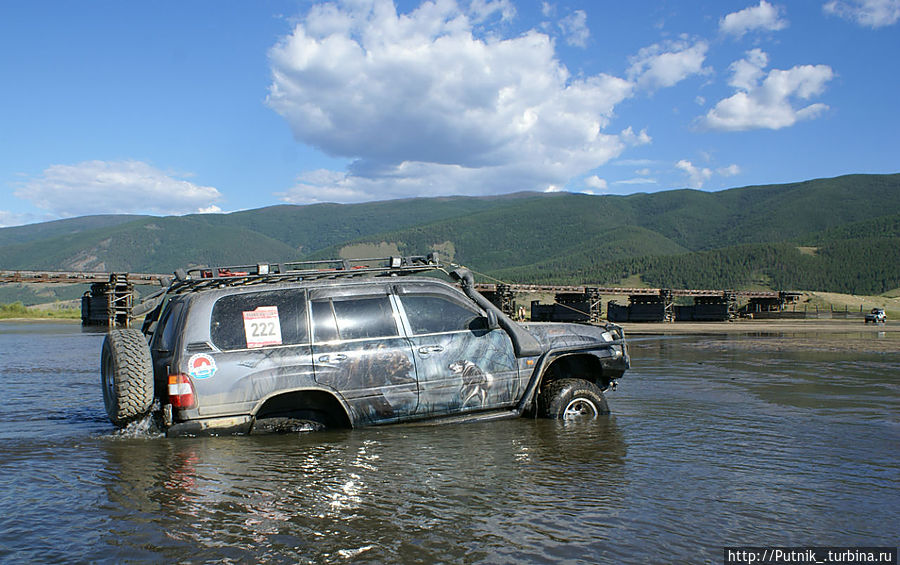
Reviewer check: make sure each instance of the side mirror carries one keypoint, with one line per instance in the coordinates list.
(492, 322)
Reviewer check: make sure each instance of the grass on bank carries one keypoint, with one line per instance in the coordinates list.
(853, 303)
(19, 310)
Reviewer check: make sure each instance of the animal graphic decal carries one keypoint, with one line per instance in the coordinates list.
(475, 383)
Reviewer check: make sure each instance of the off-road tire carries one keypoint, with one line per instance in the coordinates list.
(283, 425)
(126, 376)
(570, 399)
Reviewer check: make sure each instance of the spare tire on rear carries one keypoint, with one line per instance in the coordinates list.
(126, 376)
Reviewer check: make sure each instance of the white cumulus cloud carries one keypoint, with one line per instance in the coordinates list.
(483, 10)
(729, 171)
(115, 187)
(867, 13)
(696, 175)
(747, 72)
(424, 104)
(667, 64)
(574, 28)
(768, 100)
(8, 218)
(637, 181)
(596, 183)
(764, 17)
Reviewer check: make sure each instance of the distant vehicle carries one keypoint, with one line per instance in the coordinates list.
(305, 346)
(876, 316)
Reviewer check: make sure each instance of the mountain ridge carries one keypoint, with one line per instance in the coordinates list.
(846, 227)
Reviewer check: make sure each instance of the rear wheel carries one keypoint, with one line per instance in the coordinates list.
(283, 425)
(572, 399)
(126, 376)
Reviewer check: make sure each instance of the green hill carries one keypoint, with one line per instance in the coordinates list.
(146, 245)
(837, 234)
(46, 230)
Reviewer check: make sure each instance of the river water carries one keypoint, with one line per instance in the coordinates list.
(711, 443)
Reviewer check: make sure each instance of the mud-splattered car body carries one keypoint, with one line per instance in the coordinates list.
(357, 352)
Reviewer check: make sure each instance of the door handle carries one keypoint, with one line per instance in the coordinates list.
(426, 349)
(337, 358)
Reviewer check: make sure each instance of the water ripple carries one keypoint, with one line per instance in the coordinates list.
(708, 445)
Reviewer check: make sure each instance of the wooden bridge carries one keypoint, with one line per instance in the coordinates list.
(111, 298)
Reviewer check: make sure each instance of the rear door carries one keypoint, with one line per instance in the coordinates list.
(359, 352)
(461, 364)
(261, 341)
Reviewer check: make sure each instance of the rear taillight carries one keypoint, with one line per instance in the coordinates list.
(181, 392)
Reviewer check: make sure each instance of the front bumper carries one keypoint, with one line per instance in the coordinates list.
(615, 367)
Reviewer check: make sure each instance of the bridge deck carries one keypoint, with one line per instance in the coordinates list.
(76, 277)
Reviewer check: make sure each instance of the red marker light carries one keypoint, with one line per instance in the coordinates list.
(181, 392)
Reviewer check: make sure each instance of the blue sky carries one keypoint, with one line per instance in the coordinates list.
(217, 106)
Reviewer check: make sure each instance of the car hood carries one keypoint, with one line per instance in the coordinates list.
(552, 334)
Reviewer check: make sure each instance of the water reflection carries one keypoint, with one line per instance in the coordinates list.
(426, 494)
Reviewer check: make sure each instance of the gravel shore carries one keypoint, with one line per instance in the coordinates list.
(843, 336)
(753, 326)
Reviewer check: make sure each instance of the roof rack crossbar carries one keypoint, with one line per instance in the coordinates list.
(202, 278)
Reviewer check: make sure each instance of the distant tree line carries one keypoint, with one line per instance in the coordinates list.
(856, 266)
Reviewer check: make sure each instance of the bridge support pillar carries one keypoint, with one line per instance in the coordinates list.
(108, 303)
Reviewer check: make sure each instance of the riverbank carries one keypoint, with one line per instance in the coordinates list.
(70, 310)
(836, 336)
(754, 326)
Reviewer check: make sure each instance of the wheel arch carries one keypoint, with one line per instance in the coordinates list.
(579, 365)
(312, 404)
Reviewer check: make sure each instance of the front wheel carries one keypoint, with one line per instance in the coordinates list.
(572, 399)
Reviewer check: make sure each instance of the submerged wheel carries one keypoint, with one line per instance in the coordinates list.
(572, 399)
(126, 376)
(284, 425)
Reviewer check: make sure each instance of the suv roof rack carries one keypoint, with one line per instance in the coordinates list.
(202, 278)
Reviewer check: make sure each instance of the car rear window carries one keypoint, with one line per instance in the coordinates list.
(260, 319)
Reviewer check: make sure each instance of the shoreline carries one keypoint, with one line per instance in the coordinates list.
(756, 326)
(687, 328)
(40, 319)
(842, 337)
(846, 338)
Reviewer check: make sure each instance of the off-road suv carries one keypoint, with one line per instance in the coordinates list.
(876, 316)
(286, 347)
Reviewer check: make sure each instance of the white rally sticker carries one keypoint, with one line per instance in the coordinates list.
(262, 327)
(200, 366)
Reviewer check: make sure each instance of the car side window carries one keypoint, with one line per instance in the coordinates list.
(324, 326)
(259, 319)
(433, 313)
(353, 318)
(361, 318)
